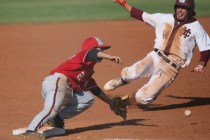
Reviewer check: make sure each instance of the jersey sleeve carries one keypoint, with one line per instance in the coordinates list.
(151, 19)
(202, 39)
(92, 55)
(158, 19)
(136, 13)
(143, 16)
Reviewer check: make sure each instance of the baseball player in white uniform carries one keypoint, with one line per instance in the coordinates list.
(176, 36)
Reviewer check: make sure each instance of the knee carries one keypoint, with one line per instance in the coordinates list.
(128, 74)
(89, 99)
(143, 98)
(124, 72)
(89, 102)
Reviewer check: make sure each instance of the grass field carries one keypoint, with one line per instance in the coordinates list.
(28, 11)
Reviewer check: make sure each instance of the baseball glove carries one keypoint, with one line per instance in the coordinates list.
(120, 106)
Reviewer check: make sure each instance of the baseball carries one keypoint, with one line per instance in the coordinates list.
(187, 113)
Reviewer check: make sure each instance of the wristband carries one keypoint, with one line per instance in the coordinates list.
(123, 3)
(200, 66)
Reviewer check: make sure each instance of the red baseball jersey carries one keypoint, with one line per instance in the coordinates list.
(78, 71)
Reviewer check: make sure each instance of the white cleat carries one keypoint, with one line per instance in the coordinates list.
(114, 83)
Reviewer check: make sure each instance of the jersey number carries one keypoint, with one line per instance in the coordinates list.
(80, 76)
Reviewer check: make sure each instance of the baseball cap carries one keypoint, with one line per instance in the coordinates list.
(94, 42)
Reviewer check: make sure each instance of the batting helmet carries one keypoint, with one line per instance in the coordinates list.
(94, 42)
(189, 4)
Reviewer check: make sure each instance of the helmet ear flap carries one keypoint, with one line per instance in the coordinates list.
(192, 12)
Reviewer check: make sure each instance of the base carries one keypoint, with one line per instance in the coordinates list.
(46, 131)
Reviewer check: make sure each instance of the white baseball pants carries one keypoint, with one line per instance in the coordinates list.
(161, 76)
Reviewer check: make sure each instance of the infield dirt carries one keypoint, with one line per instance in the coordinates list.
(30, 51)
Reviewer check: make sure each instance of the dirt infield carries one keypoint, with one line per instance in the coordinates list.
(29, 52)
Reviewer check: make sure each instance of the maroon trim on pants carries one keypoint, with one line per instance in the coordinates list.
(54, 98)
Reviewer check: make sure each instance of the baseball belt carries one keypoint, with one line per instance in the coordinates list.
(166, 59)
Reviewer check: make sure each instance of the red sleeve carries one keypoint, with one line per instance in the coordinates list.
(205, 56)
(136, 13)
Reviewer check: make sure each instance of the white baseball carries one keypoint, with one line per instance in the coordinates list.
(187, 113)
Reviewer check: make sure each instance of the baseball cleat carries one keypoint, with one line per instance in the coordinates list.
(56, 122)
(114, 83)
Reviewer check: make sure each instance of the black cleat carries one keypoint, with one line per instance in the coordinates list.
(56, 122)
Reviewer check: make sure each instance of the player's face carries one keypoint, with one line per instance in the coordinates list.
(181, 13)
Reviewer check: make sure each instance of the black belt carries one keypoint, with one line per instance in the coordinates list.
(165, 58)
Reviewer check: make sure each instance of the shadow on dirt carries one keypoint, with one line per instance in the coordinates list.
(107, 125)
(194, 101)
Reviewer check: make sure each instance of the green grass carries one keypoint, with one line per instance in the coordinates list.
(30, 11)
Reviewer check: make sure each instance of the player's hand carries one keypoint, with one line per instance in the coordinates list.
(198, 68)
(121, 2)
(116, 59)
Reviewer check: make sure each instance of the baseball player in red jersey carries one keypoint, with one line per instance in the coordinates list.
(67, 90)
(176, 36)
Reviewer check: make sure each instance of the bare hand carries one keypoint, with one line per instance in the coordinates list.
(198, 68)
(116, 59)
(121, 2)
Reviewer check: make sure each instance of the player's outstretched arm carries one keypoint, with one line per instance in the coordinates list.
(115, 59)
